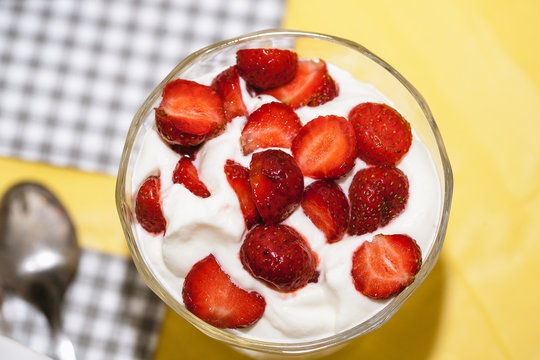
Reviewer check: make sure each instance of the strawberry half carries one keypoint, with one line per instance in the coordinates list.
(311, 86)
(272, 125)
(277, 184)
(227, 85)
(185, 173)
(189, 113)
(383, 135)
(266, 68)
(210, 294)
(325, 147)
(169, 133)
(386, 265)
(377, 195)
(148, 206)
(279, 256)
(327, 207)
(238, 178)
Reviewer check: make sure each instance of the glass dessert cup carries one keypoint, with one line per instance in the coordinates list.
(363, 65)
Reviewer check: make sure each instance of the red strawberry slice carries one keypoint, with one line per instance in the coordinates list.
(277, 184)
(266, 68)
(272, 125)
(383, 135)
(189, 110)
(327, 207)
(185, 173)
(148, 206)
(210, 294)
(166, 128)
(238, 178)
(227, 85)
(325, 147)
(377, 195)
(327, 91)
(312, 86)
(385, 266)
(279, 256)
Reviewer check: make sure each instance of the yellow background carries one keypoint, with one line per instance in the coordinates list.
(477, 63)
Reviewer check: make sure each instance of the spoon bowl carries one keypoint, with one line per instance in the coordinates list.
(39, 253)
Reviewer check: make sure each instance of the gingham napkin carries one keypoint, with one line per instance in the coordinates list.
(72, 75)
(108, 313)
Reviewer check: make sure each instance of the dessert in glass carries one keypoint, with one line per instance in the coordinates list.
(284, 191)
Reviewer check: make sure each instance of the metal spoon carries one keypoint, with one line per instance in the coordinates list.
(39, 254)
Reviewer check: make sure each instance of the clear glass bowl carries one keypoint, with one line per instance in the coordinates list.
(346, 54)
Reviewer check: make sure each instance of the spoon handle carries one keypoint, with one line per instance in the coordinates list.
(62, 346)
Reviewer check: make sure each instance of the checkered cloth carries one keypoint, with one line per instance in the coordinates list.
(109, 313)
(72, 75)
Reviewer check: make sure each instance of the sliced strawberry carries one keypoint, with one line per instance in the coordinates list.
(325, 148)
(148, 206)
(328, 90)
(166, 128)
(272, 125)
(185, 173)
(277, 184)
(386, 265)
(266, 68)
(312, 86)
(327, 207)
(279, 256)
(238, 178)
(383, 135)
(191, 110)
(210, 294)
(377, 195)
(227, 85)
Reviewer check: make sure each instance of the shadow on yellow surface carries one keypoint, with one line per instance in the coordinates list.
(411, 331)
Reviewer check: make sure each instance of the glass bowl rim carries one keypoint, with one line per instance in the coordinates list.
(237, 340)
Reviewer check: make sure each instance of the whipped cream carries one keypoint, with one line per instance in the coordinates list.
(198, 226)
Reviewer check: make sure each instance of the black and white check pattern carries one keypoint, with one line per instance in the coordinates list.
(109, 313)
(73, 72)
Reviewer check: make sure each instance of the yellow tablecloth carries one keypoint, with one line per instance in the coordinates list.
(477, 65)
